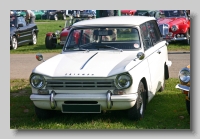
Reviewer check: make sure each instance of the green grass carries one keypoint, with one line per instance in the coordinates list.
(46, 26)
(166, 110)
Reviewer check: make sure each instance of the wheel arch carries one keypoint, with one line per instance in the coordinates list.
(166, 71)
(143, 80)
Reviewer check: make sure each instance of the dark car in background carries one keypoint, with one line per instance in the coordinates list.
(22, 32)
(84, 13)
(54, 15)
(175, 25)
(153, 13)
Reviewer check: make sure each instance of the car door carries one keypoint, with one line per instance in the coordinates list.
(29, 29)
(23, 36)
(152, 42)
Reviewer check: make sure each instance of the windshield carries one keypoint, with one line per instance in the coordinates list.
(103, 39)
(174, 13)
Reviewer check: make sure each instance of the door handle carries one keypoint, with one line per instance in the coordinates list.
(158, 51)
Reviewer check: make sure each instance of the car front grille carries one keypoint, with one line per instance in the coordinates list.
(63, 38)
(80, 84)
(164, 29)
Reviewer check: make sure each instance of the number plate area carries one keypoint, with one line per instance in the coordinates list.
(81, 108)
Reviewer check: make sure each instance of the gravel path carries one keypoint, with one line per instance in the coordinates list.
(21, 65)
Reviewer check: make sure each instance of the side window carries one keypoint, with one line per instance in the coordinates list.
(145, 36)
(154, 32)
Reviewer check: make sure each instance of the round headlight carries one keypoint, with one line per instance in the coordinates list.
(174, 28)
(123, 81)
(184, 75)
(37, 81)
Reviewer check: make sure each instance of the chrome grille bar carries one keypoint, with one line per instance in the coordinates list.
(164, 29)
(80, 84)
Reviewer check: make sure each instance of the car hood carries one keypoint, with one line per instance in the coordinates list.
(171, 21)
(88, 64)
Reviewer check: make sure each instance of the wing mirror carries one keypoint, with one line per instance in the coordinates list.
(140, 55)
(39, 57)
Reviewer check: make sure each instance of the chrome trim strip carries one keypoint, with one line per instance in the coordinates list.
(88, 60)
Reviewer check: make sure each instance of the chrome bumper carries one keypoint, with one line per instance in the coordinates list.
(106, 100)
(183, 87)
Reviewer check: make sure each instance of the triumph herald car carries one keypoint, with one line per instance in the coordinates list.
(22, 32)
(106, 64)
(184, 85)
(175, 25)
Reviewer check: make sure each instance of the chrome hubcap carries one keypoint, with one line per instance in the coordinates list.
(34, 39)
(14, 43)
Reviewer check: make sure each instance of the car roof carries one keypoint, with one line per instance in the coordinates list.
(114, 21)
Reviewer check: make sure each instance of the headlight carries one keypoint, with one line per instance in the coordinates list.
(37, 81)
(123, 81)
(57, 32)
(174, 28)
(184, 75)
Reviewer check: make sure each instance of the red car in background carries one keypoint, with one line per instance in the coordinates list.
(51, 39)
(128, 12)
(175, 25)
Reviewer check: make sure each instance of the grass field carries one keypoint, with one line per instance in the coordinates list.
(46, 26)
(166, 110)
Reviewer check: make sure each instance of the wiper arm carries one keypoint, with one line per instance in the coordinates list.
(107, 46)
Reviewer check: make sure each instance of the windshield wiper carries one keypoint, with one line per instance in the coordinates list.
(107, 46)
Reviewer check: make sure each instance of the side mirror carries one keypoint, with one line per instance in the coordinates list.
(39, 57)
(140, 55)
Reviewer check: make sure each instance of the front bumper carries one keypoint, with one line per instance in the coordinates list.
(175, 38)
(107, 101)
(183, 87)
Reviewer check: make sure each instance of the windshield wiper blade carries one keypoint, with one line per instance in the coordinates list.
(107, 46)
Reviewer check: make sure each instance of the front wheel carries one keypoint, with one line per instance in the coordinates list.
(50, 42)
(14, 43)
(188, 37)
(137, 111)
(34, 39)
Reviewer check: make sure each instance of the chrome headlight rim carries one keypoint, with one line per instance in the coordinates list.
(122, 75)
(184, 75)
(174, 28)
(41, 84)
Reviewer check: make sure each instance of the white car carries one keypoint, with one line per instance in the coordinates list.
(110, 63)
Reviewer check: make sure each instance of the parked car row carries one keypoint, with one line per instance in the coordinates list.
(174, 25)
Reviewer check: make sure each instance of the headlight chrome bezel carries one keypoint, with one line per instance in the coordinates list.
(184, 75)
(123, 75)
(39, 85)
(174, 28)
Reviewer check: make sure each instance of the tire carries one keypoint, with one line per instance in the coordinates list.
(34, 39)
(165, 76)
(50, 43)
(14, 42)
(188, 37)
(42, 113)
(137, 111)
(188, 106)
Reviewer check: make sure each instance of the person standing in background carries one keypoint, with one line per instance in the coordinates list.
(30, 16)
